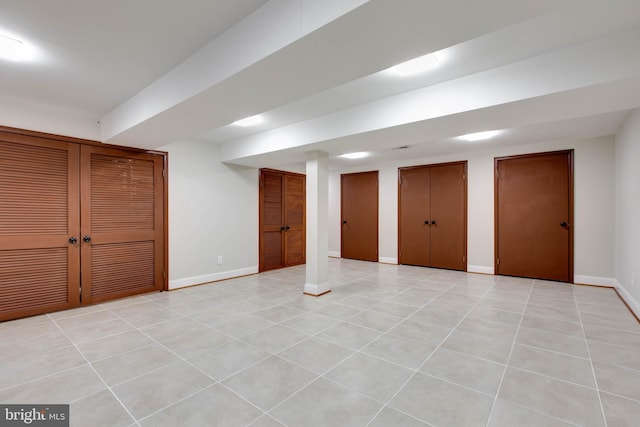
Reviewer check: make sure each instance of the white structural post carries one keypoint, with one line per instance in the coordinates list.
(317, 278)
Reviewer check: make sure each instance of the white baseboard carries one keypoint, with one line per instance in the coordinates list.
(334, 254)
(198, 280)
(387, 260)
(316, 290)
(480, 269)
(633, 303)
(594, 280)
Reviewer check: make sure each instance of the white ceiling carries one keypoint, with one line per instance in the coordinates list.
(158, 71)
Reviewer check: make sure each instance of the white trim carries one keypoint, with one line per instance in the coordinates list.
(480, 269)
(334, 254)
(387, 260)
(633, 303)
(213, 277)
(594, 280)
(316, 290)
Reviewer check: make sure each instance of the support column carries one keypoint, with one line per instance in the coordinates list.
(317, 278)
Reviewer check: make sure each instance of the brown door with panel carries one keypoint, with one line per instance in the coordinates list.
(122, 223)
(282, 219)
(79, 223)
(432, 218)
(534, 214)
(39, 226)
(359, 211)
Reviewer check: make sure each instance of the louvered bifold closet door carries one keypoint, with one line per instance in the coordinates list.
(39, 214)
(295, 220)
(122, 223)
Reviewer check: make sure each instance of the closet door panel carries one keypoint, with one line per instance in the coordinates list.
(295, 230)
(414, 216)
(39, 214)
(271, 221)
(448, 211)
(122, 223)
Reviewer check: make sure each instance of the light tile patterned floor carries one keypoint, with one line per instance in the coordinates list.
(390, 346)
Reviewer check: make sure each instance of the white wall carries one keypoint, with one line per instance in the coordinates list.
(628, 211)
(213, 211)
(594, 205)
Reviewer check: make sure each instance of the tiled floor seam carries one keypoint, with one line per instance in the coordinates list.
(513, 345)
(417, 370)
(593, 370)
(98, 375)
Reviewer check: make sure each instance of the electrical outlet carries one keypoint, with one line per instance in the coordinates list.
(219, 259)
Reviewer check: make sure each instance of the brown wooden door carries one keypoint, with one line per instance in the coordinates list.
(432, 217)
(39, 214)
(414, 222)
(122, 223)
(294, 220)
(359, 211)
(534, 210)
(448, 216)
(282, 219)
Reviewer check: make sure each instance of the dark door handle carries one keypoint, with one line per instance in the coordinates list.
(287, 227)
(426, 222)
(86, 239)
(282, 228)
(433, 222)
(344, 221)
(564, 224)
(72, 240)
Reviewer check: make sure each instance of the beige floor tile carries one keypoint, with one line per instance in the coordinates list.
(478, 374)
(213, 406)
(156, 390)
(507, 414)
(100, 409)
(390, 417)
(619, 411)
(275, 338)
(437, 402)
(316, 355)
(553, 364)
(401, 351)
(374, 320)
(555, 398)
(370, 376)
(621, 381)
(228, 359)
(349, 335)
(418, 331)
(325, 403)
(480, 346)
(269, 382)
(548, 340)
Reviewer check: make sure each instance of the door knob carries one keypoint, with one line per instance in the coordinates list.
(72, 240)
(287, 227)
(344, 221)
(282, 228)
(86, 239)
(564, 224)
(433, 222)
(426, 222)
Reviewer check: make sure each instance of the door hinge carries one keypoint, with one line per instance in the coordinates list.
(497, 261)
(497, 174)
(164, 173)
(164, 274)
(80, 293)
(400, 179)
(463, 258)
(464, 176)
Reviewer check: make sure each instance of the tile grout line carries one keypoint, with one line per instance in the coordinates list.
(593, 371)
(417, 370)
(97, 374)
(513, 345)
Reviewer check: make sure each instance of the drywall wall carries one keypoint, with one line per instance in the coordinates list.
(213, 211)
(627, 145)
(594, 205)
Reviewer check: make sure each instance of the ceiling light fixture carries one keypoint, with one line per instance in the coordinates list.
(357, 155)
(415, 66)
(479, 136)
(11, 48)
(249, 121)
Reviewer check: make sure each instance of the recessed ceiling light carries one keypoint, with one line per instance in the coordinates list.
(479, 136)
(415, 66)
(249, 121)
(357, 155)
(11, 48)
